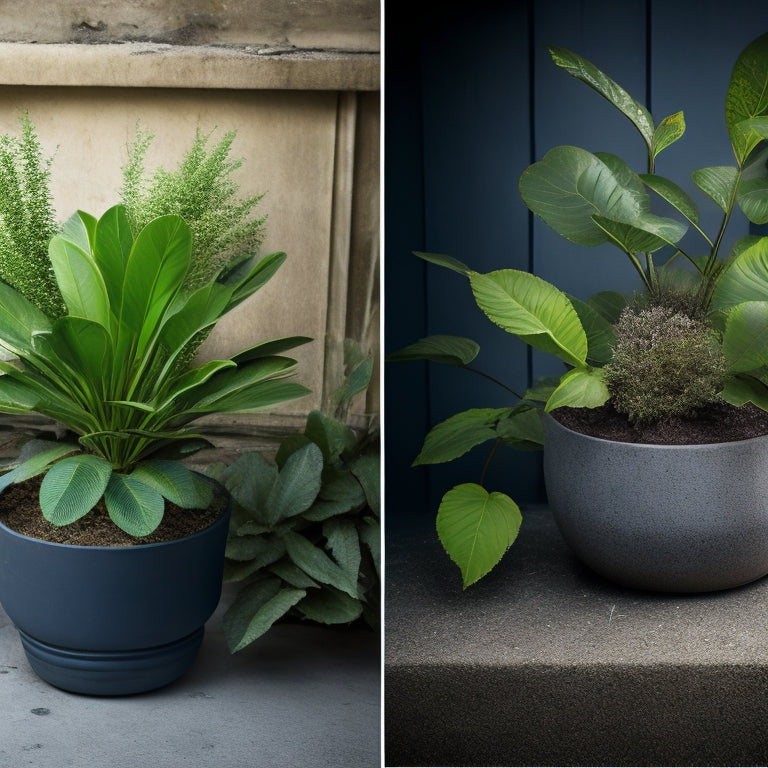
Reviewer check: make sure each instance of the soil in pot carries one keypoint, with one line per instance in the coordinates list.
(720, 423)
(21, 512)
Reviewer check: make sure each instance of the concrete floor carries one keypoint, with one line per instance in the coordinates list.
(302, 695)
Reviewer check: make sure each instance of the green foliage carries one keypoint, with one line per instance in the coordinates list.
(666, 365)
(107, 369)
(698, 334)
(305, 533)
(202, 191)
(27, 220)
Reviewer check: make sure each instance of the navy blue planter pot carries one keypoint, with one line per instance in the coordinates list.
(111, 621)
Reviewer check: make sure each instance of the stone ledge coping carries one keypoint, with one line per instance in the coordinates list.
(545, 663)
(154, 65)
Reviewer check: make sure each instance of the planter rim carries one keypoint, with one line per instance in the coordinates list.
(655, 446)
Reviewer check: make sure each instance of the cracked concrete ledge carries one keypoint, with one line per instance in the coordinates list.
(153, 65)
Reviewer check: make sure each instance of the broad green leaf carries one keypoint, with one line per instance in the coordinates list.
(80, 282)
(719, 182)
(588, 73)
(601, 338)
(673, 194)
(476, 528)
(112, 244)
(668, 131)
(541, 390)
(176, 483)
(296, 486)
(37, 463)
(647, 234)
(133, 506)
(532, 309)
(569, 187)
(255, 610)
(450, 350)
(522, 428)
(249, 479)
(80, 229)
(191, 380)
(332, 437)
(745, 341)
(154, 273)
(580, 388)
(752, 191)
(20, 321)
(743, 389)
(330, 606)
(747, 94)
(255, 277)
(344, 543)
(460, 433)
(449, 262)
(341, 487)
(750, 133)
(72, 487)
(86, 346)
(254, 397)
(316, 564)
(262, 550)
(744, 279)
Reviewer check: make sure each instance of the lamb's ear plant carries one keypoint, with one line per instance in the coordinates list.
(593, 199)
(107, 369)
(304, 534)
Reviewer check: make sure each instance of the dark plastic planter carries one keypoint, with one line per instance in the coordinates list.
(687, 518)
(111, 621)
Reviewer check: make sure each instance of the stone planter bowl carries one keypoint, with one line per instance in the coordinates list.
(666, 518)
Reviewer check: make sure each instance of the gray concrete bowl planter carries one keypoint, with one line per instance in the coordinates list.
(112, 620)
(690, 518)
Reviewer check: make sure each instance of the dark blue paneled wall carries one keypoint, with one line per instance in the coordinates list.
(471, 99)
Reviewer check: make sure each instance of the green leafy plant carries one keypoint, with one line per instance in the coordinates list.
(592, 199)
(304, 534)
(106, 369)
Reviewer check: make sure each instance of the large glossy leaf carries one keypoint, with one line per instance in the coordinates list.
(743, 389)
(245, 285)
(270, 348)
(80, 229)
(719, 182)
(86, 347)
(649, 233)
(751, 133)
(532, 309)
(296, 486)
(752, 191)
(254, 397)
(522, 428)
(673, 194)
(744, 279)
(80, 282)
(747, 94)
(588, 73)
(154, 273)
(476, 528)
(133, 506)
(580, 388)
(601, 338)
(570, 186)
(745, 341)
(450, 350)
(72, 487)
(460, 433)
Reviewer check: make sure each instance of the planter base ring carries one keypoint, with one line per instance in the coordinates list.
(112, 673)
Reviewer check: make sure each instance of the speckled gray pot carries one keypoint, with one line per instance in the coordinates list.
(661, 517)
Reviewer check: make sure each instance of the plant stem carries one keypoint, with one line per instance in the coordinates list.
(488, 460)
(494, 380)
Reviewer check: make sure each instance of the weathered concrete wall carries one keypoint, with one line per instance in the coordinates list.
(350, 25)
(307, 127)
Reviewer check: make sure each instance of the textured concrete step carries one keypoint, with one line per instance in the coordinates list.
(545, 663)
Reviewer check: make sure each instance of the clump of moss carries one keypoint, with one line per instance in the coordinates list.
(666, 364)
